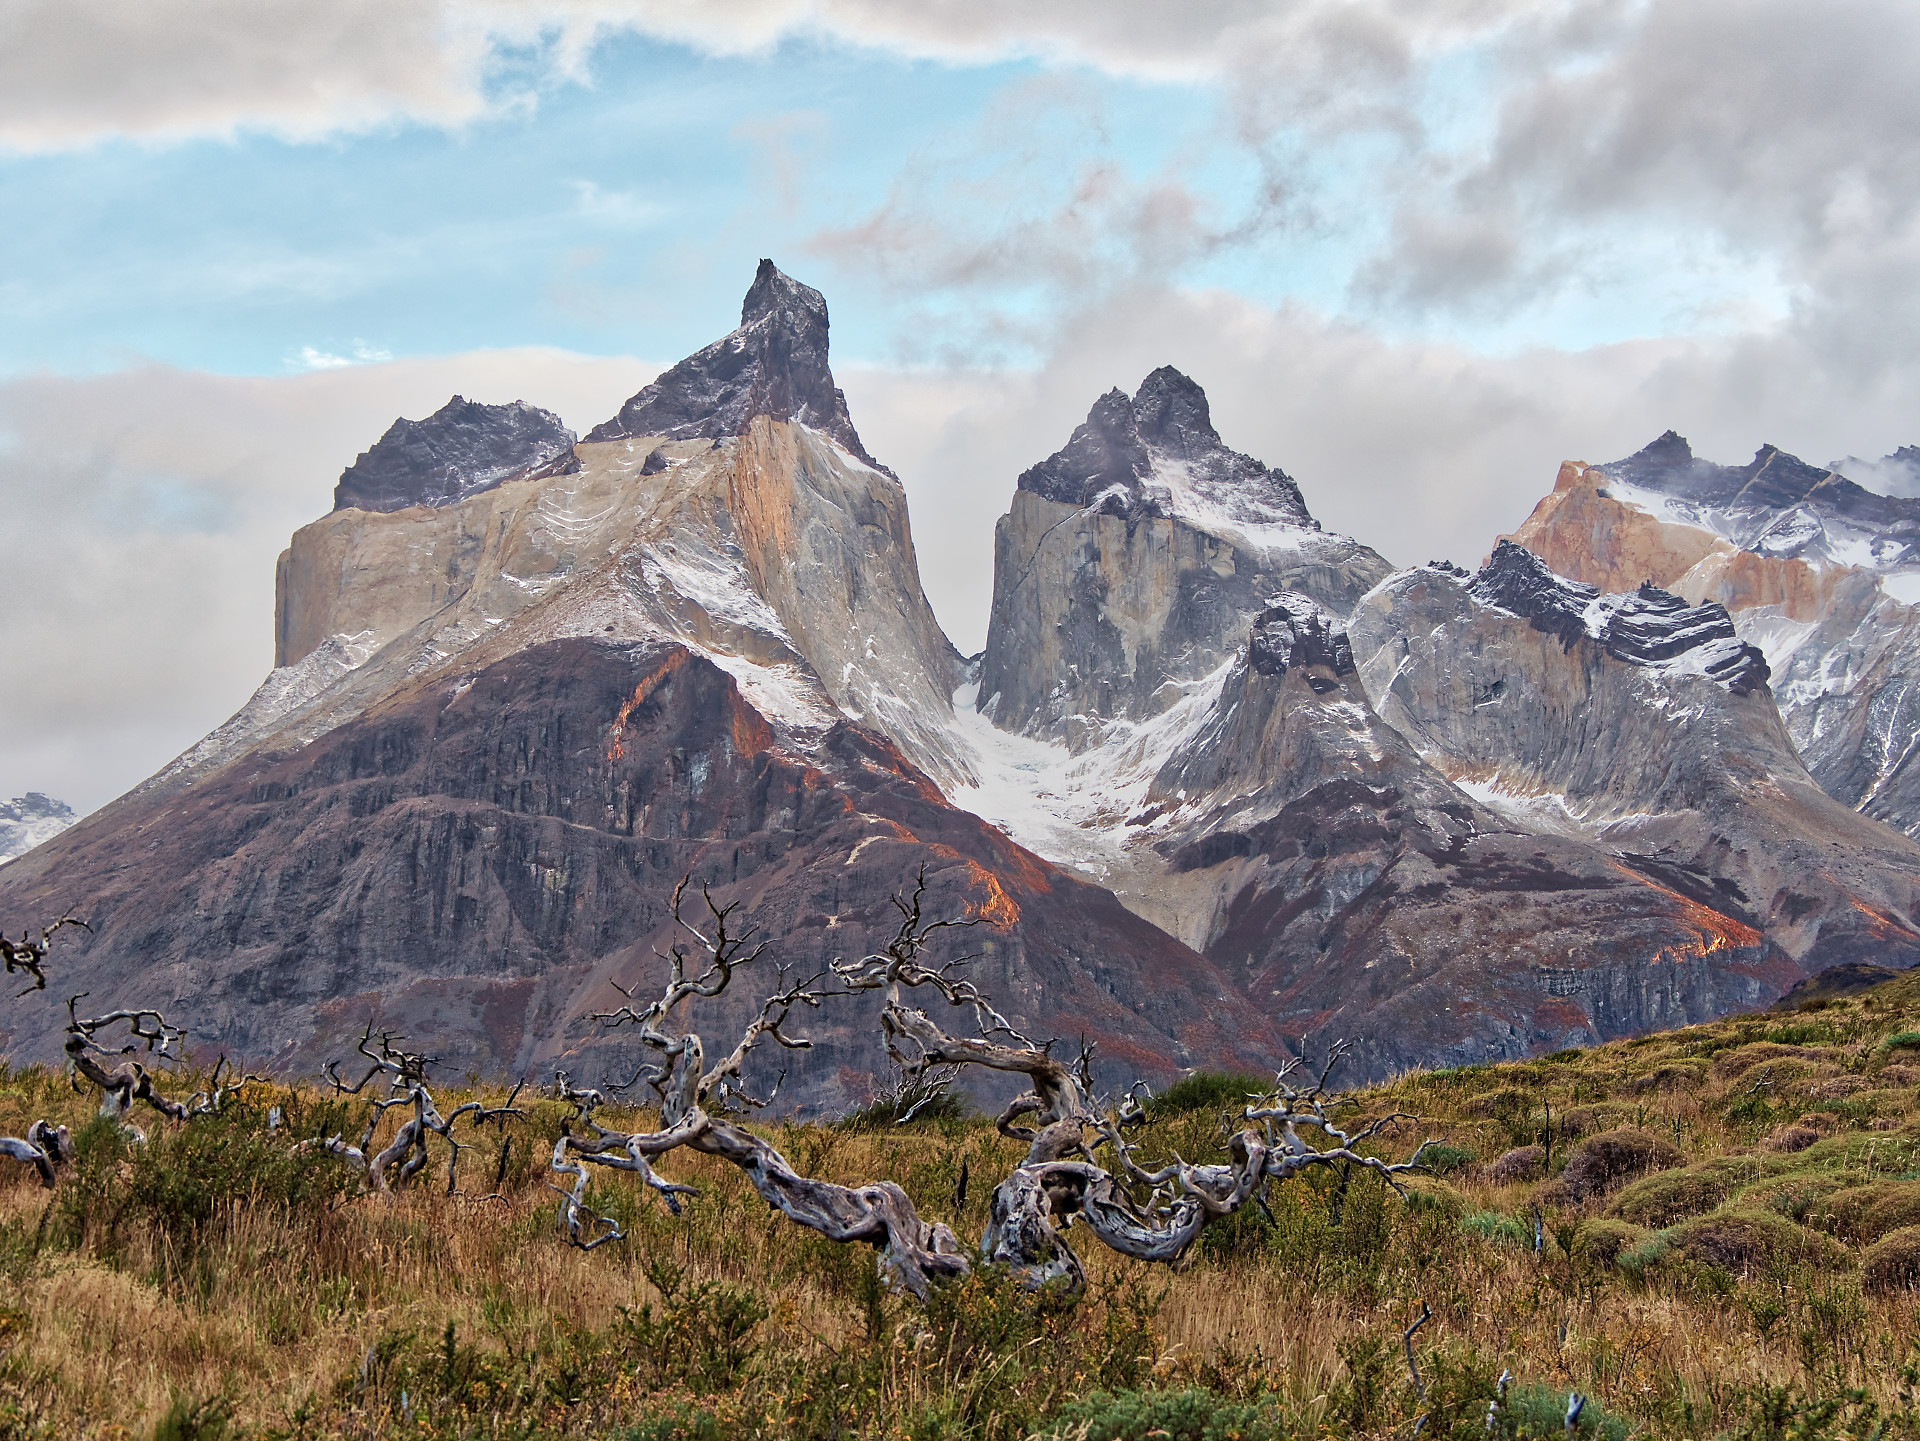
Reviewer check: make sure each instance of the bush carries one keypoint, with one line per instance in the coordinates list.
(1893, 1263)
(1541, 1411)
(1168, 1416)
(1208, 1090)
(1669, 1196)
(1443, 1159)
(1862, 1214)
(1602, 1162)
(1602, 1242)
(1747, 1240)
(1522, 1163)
(1492, 1226)
(1901, 1040)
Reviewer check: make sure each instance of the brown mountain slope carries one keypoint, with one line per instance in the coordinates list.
(477, 857)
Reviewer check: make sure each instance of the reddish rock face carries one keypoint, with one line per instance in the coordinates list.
(478, 859)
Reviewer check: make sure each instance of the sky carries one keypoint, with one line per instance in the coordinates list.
(1417, 253)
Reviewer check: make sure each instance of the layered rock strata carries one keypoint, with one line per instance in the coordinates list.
(1133, 560)
(1642, 725)
(477, 858)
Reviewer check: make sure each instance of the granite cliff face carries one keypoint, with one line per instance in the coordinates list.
(1643, 725)
(1357, 892)
(1815, 571)
(1133, 560)
(774, 365)
(767, 560)
(461, 449)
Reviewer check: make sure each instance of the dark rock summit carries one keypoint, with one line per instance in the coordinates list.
(1778, 504)
(1157, 454)
(463, 448)
(775, 365)
(1649, 627)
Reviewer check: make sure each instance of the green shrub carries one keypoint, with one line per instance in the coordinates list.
(1901, 1040)
(1443, 1159)
(1208, 1090)
(1168, 1416)
(1492, 1226)
(1541, 1411)
(1669, 1196)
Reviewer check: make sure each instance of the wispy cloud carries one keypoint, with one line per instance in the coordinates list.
(359, 353)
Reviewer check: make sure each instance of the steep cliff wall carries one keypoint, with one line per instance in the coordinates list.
(1636, 722)
(1843, 647)
(1132, 560)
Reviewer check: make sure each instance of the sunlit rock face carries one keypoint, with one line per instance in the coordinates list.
(1816, 572)
(1133, 560)
(461, 449)
(1641, 724)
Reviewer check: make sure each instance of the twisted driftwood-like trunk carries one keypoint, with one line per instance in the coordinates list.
(27, 954)
(1153, 1215)
(405, 1156)
(46, 1149)
(131, 1081)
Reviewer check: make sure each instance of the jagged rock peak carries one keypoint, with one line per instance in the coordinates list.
(461, 449)
(1648, 627)
(775, 365)
(1294, 631)
(1157, 454)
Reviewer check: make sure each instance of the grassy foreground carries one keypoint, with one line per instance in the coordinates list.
(1728, 1243)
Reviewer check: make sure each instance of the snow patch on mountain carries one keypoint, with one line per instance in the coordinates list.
(29, 820)
(1080, 810)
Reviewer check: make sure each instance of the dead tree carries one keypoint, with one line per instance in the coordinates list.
(131, 1081)
(46, 1149)
(404, 1156)
(1154, 1215)
(26, 954)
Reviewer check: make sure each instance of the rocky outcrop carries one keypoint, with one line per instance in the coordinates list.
(774, 365)
(773, 550)
(478, 857)
(26, 821)
(1667, 750)
(1133, 560)
(1841, 641)
(460, 450)
(1355, 892)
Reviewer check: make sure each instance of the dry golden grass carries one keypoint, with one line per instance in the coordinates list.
(125, 1293)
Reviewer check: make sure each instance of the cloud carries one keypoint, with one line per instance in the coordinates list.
(74, 72)
(361, 353)
(145, 509)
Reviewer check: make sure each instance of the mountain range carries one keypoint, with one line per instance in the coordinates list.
(1222, 782)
